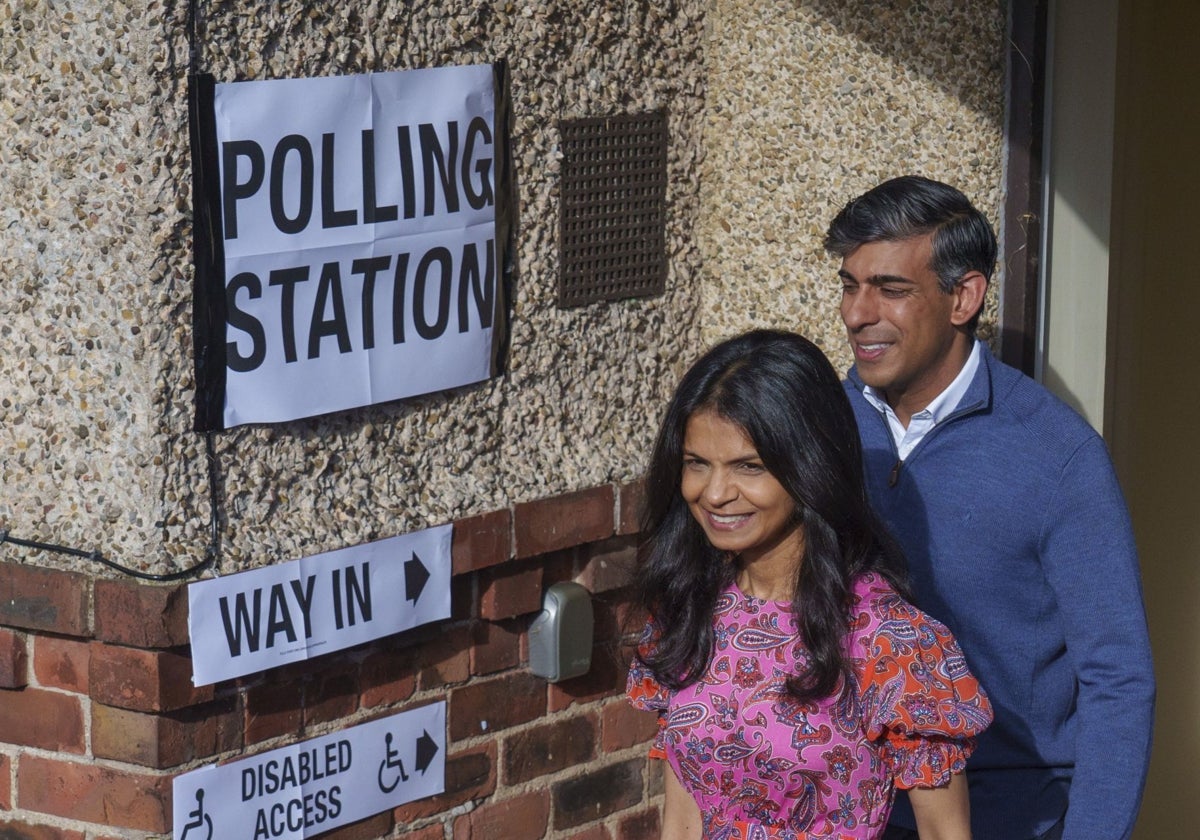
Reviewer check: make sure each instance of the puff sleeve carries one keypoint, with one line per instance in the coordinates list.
(916, 691)
(645, 692)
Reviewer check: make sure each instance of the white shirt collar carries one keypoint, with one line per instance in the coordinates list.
(941, 407)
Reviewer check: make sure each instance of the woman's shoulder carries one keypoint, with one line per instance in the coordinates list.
(884, 624)
(872, 590)
(876, 606)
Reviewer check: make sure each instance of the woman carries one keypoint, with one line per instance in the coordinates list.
(796, 688)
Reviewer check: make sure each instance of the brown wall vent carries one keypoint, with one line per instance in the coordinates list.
(612, 221)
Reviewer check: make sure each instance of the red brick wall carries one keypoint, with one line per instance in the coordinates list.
(98, 713)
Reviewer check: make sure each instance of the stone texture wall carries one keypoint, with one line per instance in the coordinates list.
(96, 447)
(812, 102)
(779, 111)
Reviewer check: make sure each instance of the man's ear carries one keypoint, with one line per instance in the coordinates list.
(968, 297)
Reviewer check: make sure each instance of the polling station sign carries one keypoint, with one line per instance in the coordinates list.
(352, 240)
(289, 612)
(315, 786)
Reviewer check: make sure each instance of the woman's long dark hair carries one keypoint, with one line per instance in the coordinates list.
(784, 394)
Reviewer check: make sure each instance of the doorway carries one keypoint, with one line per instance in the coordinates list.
(1153, 407)
(1148, 402)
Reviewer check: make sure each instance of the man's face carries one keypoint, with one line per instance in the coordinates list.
(902, 327)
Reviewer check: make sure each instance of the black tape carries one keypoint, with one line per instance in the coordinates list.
(506, 218)
(208, 257)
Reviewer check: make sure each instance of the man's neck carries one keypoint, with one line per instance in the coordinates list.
(921, 394)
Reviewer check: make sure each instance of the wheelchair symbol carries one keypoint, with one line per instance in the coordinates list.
(391, 762)
(198, 819)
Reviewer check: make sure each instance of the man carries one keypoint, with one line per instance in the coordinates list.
(1008, 509)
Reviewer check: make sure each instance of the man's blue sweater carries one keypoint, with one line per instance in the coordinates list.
(1017, 537)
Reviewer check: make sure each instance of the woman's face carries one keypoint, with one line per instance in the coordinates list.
(741, 507)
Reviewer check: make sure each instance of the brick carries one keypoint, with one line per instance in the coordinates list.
(525, 646)
(606, 678)
(608, 610)
(143, 680)
(470, 774)
(445, 658)
(608, 565)
(507, 593)
(559, 566)
(462, 598)
(524, 816)
(386, 677)
(630, 618)
(35, 598)
(495, 646)
(486, 706)
(481, 541)
(639, 826)
(48, 720)
(90, 793)
(137, 614)
(622, 726)
(63, 663)
(563, 521)
(655, 778)
(597, 794)
(331, 693)
(437, 831)
(546, 749)
(166, 740)
(595, 832)
(371, 828)
(631, 498)
(14, 659)
(273, 709)
(122, 735)
(6, 800)
(17, 830)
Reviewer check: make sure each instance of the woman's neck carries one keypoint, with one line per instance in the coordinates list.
(766, 581)
(769, 573)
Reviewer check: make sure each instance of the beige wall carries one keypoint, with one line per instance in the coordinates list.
(807, 104)
(1154, 402)
(96, 447)
(811, 102)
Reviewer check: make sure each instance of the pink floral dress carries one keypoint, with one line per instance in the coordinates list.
(763, 767)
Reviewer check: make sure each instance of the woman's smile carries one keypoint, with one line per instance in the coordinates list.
(741, 506)
(727, 521)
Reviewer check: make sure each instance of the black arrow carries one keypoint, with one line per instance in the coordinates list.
(427, 748)
(415, 576)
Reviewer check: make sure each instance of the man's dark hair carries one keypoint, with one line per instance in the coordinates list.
(910, 206)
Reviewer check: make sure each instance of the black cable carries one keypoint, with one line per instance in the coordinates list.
(97, 557)
(212, 552)
(193, 12)
(213, 549)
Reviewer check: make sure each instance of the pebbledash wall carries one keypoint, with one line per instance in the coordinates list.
(812, 102)
(778, 112)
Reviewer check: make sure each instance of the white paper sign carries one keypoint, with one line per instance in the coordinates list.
(359, 233)
(312, 787)
(249, 622)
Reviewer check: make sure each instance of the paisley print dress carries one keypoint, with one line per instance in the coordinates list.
(763, 767)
